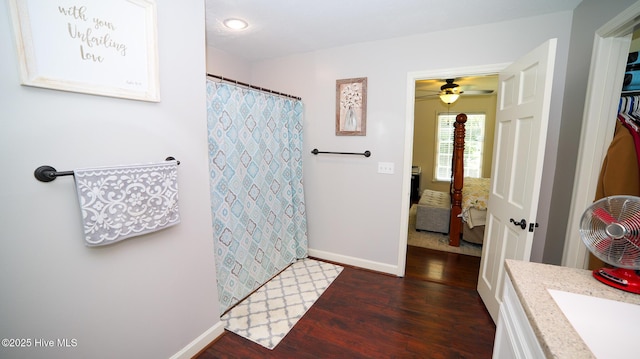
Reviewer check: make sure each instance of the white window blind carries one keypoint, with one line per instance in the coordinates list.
(473, 145)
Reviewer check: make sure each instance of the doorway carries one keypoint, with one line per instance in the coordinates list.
(432, 157)
(610, 51)
(409, 137)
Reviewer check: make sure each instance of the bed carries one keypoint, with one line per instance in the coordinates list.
(433, 212)
(469, 196)
(461, 212)
(475, 195)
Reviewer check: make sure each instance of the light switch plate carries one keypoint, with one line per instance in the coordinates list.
(385, 167)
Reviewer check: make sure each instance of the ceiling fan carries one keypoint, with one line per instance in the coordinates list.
(450, 87)
(450, 90)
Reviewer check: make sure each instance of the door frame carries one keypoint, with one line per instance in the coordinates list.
(412, 77)
(608, 62)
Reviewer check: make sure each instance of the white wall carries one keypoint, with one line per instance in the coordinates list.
(589, 16)
(146, 297)
(220, 63)
(354, 212)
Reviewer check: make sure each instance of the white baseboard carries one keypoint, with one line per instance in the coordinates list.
(200, 342)
(356, 262)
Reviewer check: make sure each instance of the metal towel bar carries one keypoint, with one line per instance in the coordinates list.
(48, 173)
(365, 153)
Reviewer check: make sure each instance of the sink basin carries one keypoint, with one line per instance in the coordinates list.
(608, 327)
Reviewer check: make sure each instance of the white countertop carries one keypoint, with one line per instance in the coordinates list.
(556, 335)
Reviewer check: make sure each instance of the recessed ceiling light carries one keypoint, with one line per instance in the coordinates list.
(235, 24)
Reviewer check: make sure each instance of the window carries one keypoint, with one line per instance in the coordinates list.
(473, 145)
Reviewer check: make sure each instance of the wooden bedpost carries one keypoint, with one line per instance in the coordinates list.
(455, 224)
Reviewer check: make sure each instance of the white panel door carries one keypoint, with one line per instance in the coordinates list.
(522, 115)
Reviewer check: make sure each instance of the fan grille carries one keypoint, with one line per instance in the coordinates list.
(610, 228)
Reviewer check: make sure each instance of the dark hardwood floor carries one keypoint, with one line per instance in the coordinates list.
(433, 312)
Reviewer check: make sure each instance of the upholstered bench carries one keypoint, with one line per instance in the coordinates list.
(433, 211)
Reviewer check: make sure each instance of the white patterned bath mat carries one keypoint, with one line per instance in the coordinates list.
(268, 314)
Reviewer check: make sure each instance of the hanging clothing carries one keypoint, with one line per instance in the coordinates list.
(633, 130)
(620, 172)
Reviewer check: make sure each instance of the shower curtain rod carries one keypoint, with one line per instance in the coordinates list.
(253, 87)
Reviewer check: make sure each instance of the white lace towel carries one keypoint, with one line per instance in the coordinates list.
(126, 201)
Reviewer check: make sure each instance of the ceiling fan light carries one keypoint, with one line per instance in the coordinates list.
(449, 98)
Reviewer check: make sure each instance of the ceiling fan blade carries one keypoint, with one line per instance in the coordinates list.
(478, 92)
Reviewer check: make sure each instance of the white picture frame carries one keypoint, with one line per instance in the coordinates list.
(106, 48)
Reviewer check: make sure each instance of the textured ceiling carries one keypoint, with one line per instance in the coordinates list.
(284, 27)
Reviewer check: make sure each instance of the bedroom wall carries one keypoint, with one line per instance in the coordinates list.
(145, 297)
(425, 138)
(354, 213)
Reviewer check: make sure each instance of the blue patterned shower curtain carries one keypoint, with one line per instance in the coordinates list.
(257, 200)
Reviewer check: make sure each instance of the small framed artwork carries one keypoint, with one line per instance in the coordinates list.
(106, 48)
(351, 107)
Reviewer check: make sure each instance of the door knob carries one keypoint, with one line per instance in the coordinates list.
(522, 223)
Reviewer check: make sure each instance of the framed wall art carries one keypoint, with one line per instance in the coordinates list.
(351, 107)
(106, 48)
